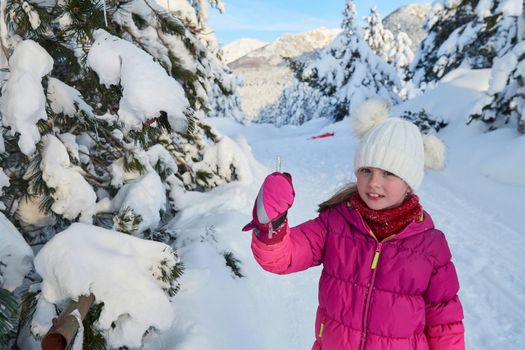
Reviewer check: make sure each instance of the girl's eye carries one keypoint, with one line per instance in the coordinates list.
(364, 170)
(388, 173)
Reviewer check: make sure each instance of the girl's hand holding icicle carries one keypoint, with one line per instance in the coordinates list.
(275, 197)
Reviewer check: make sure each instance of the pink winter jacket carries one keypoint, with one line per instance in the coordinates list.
(397, 294)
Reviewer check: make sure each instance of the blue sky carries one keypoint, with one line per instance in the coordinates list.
(268, 19)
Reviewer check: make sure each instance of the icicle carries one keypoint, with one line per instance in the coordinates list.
(105, 13)
(278, 164)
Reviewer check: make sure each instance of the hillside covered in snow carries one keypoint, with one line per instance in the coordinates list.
(409, 19)
(265, 72)
(238, 48)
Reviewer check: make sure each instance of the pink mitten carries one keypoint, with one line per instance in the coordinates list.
(273, 201)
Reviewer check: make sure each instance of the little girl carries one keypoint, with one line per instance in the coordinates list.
(387, 281)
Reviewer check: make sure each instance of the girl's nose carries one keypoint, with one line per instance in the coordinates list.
(375, 178)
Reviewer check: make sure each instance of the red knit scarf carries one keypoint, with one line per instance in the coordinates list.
(386, 222)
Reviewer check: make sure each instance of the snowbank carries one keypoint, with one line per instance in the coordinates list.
(122, 271)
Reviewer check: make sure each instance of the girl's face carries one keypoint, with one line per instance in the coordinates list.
(380, 189)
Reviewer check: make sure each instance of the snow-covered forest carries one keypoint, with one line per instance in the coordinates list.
(127, 168)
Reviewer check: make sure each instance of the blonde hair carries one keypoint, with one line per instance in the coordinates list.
(342, 195)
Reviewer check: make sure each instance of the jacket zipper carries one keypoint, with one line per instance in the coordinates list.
(371, 284)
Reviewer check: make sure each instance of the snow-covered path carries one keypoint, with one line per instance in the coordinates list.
(264, 311)
(490, 264)
(487, 253)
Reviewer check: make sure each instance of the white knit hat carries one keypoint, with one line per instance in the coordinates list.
(393, 144)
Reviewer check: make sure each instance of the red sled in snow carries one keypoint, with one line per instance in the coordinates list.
(322, 136)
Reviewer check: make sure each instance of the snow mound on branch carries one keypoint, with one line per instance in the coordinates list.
(73, 195)
(65, 99)
(146, 87)
(146, 196)
(23, 102)
(122, 272)
(16, 255)
(223, 155)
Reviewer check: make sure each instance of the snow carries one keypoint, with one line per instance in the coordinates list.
(483, 8)
(345, 73)
(34, 18)
(73, 196)
(475, 200)
(507, 167)
(16, 256)
(4, 182)
(408, 19)
(65, 99)
(181, 8)
(238, 48)
(75, 262)
(44, 313)
(501, 70)
(23, 101)
(222, 154)
(293, 45)
(157, 153)
(147, 88)
(145, 197)
(264, 71)
(510, 7)
(29, 215)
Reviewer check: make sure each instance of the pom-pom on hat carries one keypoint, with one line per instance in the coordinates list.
(393, 144)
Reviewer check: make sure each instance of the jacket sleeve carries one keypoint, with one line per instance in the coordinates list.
(444, 313)
(291, 249)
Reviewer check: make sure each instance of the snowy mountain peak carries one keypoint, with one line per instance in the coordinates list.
(290, 45)
(265, 72)
(408, 19)
(238, 48)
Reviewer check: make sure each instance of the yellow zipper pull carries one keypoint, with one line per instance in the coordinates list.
(376, 256)
(321, 330)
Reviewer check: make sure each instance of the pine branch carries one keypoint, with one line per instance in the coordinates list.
(169, 24)
(8, 315)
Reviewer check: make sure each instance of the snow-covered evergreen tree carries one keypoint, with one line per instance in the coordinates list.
(298, 104)
(378, 38)
(400, 54)
(349, 17)
(350, 71)
(103, 111)
(504, 101)
(344, 74)
(465, 33)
